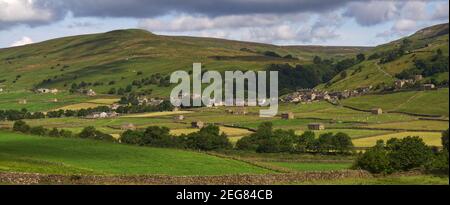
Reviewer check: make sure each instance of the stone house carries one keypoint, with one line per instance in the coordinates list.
(198, 124)
(316, 126)
(377, 111)
(288, 116)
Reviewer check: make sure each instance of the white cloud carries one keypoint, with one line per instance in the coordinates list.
(267, 28)
(372, 13)
(22, 10)
(441, 11)
(24, 41)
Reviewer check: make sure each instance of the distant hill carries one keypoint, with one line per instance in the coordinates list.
(112, 61)
(398, 60)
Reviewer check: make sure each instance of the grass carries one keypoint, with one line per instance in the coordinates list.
(24, 153)
(430, 138)
(157, 114)
(306, 167)
(353, 133)
(413, 125)
(38, 102)
(417, 102)
(388, 180)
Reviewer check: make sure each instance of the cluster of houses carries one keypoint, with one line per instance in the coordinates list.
(47, 90)
(409, 83)
(102, 115)
(151, 101)
(313, 95)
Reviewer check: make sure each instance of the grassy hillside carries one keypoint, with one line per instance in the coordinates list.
(422, 45)
(25, 153)
(417, 102)
(120, 55)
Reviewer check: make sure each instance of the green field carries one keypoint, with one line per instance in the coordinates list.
(417, 102)
(389, 180)
(24, 153)
(305, 167)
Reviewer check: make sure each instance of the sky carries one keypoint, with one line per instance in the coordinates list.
(281, 22)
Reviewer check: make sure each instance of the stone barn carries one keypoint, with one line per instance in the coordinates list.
(128, 126)
(198, 124)
(316, 126)
(377, 111)
(179, 118)
(288, 116)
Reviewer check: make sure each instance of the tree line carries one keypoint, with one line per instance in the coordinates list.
(268, 140)
(404, 155)
(22, 114)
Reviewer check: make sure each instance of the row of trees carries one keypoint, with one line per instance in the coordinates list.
(404, 155)
(438, 63)
(267, 140)
(309, 76)
(14, 115)
(86, 133)
(207, 139)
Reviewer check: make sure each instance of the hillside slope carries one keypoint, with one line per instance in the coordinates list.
(114, 59)
(389, 62)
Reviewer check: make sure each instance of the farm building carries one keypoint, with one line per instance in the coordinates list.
(91, 93)
(23, 102)
(428, 86)
(288, 116)
(45, 90)
(179, 118)
(377, 111)
(418, 77)
(316, 126)
(198, 124)
(98, 115)
(128, 126)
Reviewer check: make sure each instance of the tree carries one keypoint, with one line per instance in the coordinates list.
(132, 137)
(375, 160)
(445, 140)
(306, 142)
(21, 126)
(343, 143)
(408, 153)
(39, 130)
(317, 60)
(88, 132)
(209, 138)
(326, 143)
(361, 57)
(157, 136)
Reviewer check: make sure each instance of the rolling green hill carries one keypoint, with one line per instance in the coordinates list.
(383, 64)
(114, 59)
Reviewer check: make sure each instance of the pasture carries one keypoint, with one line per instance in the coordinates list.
(430, 138)
(24, 153)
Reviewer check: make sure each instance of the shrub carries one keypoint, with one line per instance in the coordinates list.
(132, 137)
(374, 160)
(209, 138)
(306, 142)
(408, 153)
(343, 143)
(41, 131)
(158, 137)
(445, 140)
(21, 126)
